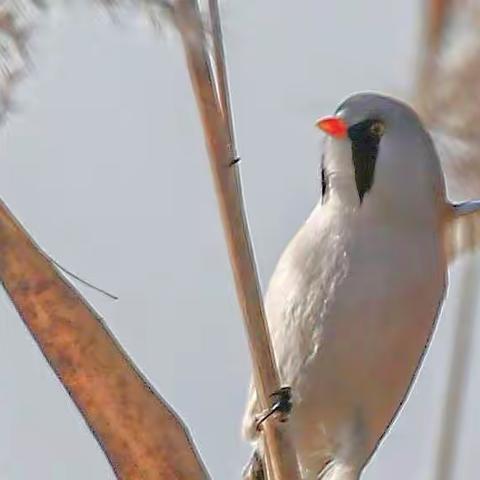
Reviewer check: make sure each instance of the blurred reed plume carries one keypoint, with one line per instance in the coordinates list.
(448, 98)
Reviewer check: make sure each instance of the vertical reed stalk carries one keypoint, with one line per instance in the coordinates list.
(211, 91)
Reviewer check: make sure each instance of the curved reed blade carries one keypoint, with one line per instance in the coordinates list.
(141, 436)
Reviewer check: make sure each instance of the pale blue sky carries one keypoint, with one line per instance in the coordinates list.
(106, 167)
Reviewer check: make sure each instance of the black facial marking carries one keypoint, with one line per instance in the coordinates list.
(365, 137)
(324, 180)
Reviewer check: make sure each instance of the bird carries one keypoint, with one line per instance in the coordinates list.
(354, 299)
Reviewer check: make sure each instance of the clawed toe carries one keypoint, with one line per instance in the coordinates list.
(281, 406)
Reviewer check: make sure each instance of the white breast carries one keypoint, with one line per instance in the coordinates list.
(351, 307)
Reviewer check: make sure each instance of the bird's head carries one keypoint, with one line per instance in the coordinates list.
(378, 151)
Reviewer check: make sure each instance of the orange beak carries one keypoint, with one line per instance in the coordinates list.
(334, 126)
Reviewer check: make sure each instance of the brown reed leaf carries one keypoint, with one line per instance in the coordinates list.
(140, 434)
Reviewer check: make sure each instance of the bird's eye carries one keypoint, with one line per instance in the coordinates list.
(377, 129)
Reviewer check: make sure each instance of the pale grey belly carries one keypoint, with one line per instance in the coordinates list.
(368, 350)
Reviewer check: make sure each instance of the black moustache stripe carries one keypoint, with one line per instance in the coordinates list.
(324, 179)
(364, 154)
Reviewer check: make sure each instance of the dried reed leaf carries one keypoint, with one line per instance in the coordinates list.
(141, 436)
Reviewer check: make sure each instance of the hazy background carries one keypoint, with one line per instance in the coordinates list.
(105, 165)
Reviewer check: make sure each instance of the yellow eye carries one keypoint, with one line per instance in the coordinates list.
(377, 129)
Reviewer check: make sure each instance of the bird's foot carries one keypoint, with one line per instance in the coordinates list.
(281, 407)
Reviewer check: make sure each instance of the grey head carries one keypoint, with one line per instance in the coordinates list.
(382, 154)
